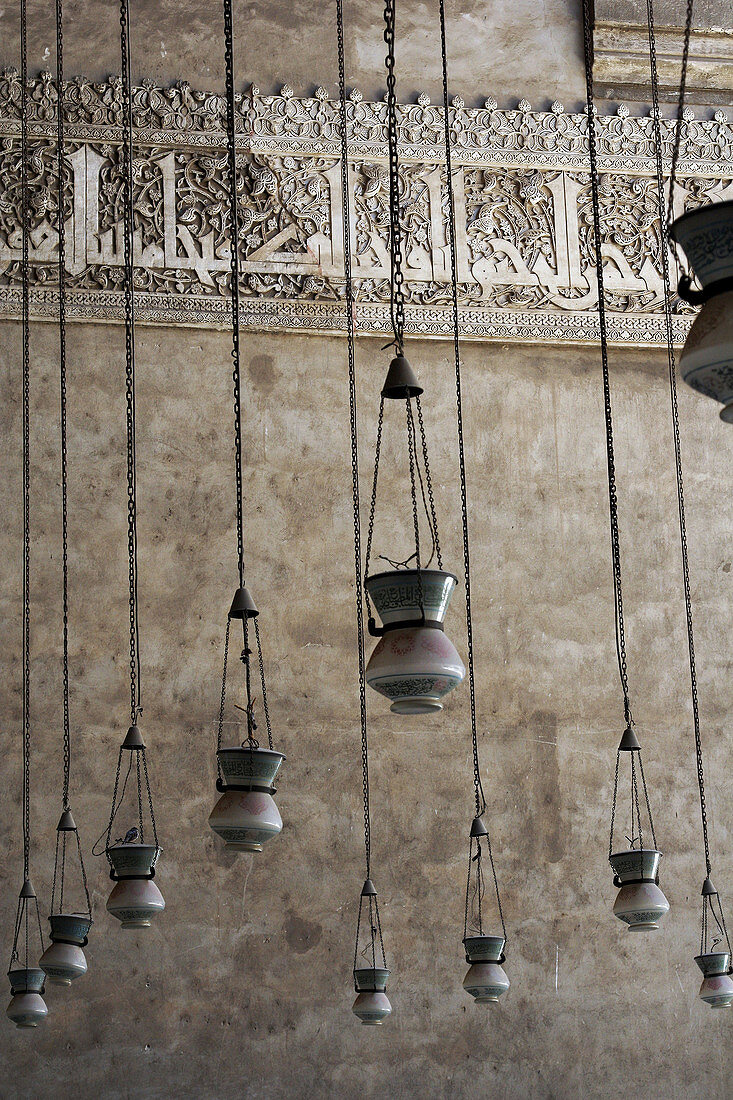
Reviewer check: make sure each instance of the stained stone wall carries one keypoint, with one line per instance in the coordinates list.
(242, 987)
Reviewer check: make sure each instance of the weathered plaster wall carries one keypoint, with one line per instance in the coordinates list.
(489, 44)
(242, 988)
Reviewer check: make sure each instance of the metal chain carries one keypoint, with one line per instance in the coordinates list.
(396, 292)
(265, 707)
(355, 496)
(128, 226)
(613, 803)
(61, 230)
(431, 514)
(610, 458)
(150, 806)
(672, 371)
(412, 451)
(234, 273)
(24, 201)
(375, 478)
(480, 800)
(680, 110)
(223, 698)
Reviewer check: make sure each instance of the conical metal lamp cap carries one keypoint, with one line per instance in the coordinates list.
(401, 380)
(66, 823)
(478, 827)
(27, 891)
(368, 890)
(629, 741)
(134, 739)
(243, 606)
(708, 889)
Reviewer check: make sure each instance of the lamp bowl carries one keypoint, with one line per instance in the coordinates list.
(640, 905)
(70, 926)
(396, 594)
(132, 859)
(706, 361)
(371, 979)
(635, 863)
(713, 963)
(717, 990)
(245, 820)
(415, 668)
(706, 236)
(484, 948)
(242, 765)
(135, 901)
(27, 1007)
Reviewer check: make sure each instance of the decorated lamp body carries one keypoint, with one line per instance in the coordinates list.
(372, 1004)
(640, 903)
(135, 899)
(485, 979)
(64, 959)
(717, 983)
(27, 1007)
(246, 820)
(415, 667)
(706, 363)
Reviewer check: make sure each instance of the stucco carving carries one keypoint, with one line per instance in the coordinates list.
(522, 203)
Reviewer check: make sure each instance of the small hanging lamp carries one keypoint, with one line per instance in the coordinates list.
(414, 664)
(715, 964)
(717, 985)
(370, 965)
(64, 959)
(27, 1007)
(640, 903)
(245, 817)
(370, 970)
(134, 854)
(486, 979)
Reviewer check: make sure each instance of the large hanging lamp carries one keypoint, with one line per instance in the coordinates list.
(714, 959)
(370, 969)
(134, 854)
(414, 664)
(64, 959)
(245, 816)
(705, 235)
(640, 903)
(486, 979)
(27, 1007)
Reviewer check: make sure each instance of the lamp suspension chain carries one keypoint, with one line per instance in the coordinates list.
(128, 230)
(664, 248)
(349, 298)
(61, 230)
(396, 292)
(24, 202)
(480, 799)
(234, 276)
(680, 110)
(610, 456)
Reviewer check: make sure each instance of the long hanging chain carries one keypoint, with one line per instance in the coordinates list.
(680, 110)
(397, 298)
(61, 230)
(349, 295)
(234, 273)
(24, 205)
(664, 249)
(128, 227)
(610, 458)
(480, 798)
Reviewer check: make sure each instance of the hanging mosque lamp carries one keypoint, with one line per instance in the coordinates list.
(27, 1007)
(63, 960)
(640, 903)
(414, 664)
(133, 856)
(245, 816)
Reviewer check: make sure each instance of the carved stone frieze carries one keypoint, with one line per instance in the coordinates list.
(522, 197)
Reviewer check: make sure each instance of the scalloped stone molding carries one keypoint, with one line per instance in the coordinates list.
(522, 196)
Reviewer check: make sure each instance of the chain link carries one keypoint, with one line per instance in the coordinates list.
(429, 511)
(672, 370)
(265, 707)
(680, 107)
(234, 273)
(375, 478)
(397, 294)
(355, 495)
